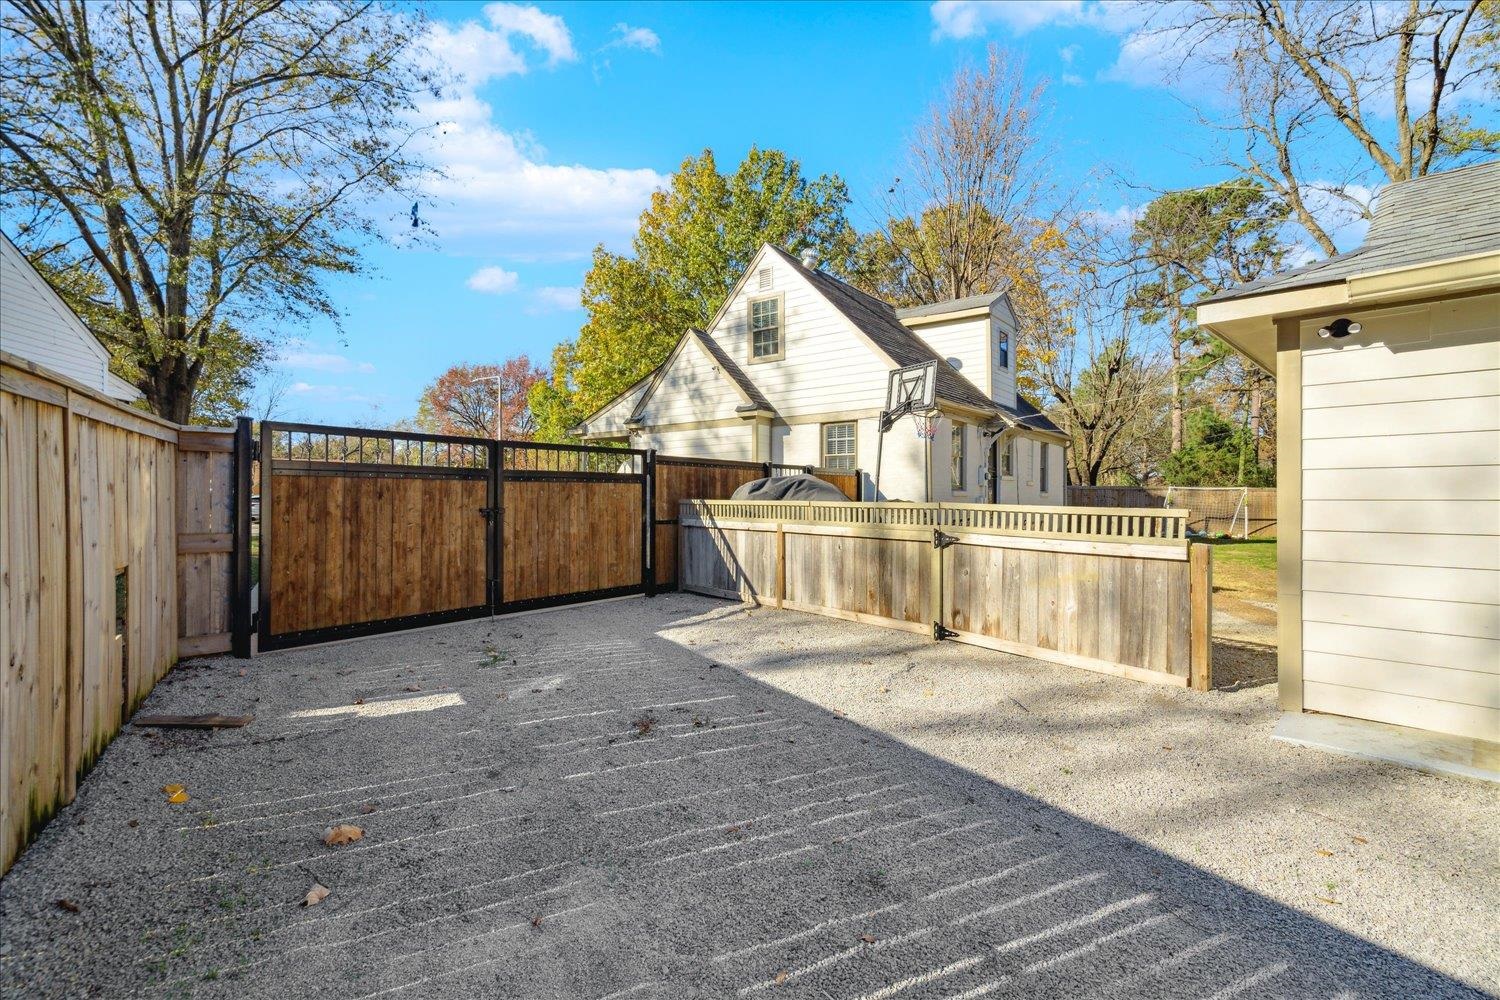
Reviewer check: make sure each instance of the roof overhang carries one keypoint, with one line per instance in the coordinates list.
(1249, 323)
(946, 317)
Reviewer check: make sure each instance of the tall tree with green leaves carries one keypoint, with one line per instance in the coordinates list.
(196, 168)
(1194, 243)
(695, 240)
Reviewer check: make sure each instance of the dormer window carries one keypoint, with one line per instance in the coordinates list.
(1002, 349)
(766, 343)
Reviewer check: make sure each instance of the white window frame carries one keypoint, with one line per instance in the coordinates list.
(1002, 347)
(824, 459)
(958, 457)
(780, 352)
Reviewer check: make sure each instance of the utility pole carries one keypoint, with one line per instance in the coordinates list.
(499, 410)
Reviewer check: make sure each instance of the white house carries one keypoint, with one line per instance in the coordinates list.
(793, 369)
(37, 325)
(1387, 363)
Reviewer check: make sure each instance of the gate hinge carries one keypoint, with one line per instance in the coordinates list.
(254, 450)
(941, 632)
(940, 540)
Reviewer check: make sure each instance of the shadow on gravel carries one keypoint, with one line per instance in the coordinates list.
(539, 838)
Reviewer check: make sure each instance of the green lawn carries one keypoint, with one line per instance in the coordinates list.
(1246, 567)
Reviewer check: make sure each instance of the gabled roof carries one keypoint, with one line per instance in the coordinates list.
(734, 371)
(748, 392)
(878, 321)
(1438, 217)
(952, 305)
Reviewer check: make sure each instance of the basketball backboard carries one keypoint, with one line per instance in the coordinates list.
(911, 389)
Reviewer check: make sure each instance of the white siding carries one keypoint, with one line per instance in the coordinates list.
(36, 325)
(1003, 377)
(1401, 518)
(827, 367)
(734, 442)
(611, 422)
(1025, 486)
(965, 341)
(691, 389)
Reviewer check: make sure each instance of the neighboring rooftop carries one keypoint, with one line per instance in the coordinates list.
(1439, 217)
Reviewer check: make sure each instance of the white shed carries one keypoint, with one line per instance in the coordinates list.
(1387, 361)
(36, 324)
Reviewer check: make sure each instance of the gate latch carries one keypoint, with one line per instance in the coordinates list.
(941, 632)
(488, 511)
(940, 540)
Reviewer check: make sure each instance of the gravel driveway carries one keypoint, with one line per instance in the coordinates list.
(679, 798)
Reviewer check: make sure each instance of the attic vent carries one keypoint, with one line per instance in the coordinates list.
(763, 278)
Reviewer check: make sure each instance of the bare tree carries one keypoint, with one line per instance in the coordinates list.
(976, 195)
(201, 166)
(1303, 73)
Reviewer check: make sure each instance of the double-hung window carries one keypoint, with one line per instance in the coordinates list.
(839, 446)
(1043, 449)
(766, 343)
(958, 456)
(1008, 459)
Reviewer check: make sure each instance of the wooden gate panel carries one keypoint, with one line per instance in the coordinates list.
(565, 539)
(678, 480)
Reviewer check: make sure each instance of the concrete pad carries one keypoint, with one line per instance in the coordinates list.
(1434, 752)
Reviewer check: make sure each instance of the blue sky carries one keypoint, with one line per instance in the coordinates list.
(572, 113)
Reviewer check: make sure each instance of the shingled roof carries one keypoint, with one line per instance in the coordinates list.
(881, 323)
(734, 371)
(1421, 221)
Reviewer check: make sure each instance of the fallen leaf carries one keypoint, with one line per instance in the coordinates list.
(316, 895)
(928, 693)
(244, 673)
(781, 977)
(867, 938)
(1358, 840)
(1324, 854)
(178, 797)
(536, 921)
(1330, 902)
(69, 905)
(171, 789)
(133, 823)
(368, 807)
(359, 701)
(1166, 746)
(885, 690)
(344, 833)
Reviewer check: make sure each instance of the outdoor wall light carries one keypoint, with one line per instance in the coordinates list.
(1339, 329)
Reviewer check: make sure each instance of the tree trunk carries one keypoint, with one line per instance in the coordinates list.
(1176, 389)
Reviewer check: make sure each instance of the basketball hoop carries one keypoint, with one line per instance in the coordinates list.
(927, 424)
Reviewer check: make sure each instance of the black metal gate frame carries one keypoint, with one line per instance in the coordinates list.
(263, 622)
(580, 453)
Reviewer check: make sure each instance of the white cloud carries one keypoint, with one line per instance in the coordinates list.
(308, 356)
(333, 393)
(1120, 219)
(1072, 80)
(495, 192)
(970, 18)
(630, 37)
(554, 298)
(1067, 54)
(493, 281)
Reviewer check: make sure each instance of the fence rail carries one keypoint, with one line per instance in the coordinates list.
(1162, 527)
(1259, 514)
(1116, 595)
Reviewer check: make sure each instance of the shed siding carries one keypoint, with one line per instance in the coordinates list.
(37, 326)
(611, 422)
(735, 442)
(965, 341)
(1401, 518)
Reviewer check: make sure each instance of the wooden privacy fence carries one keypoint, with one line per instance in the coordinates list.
(1260, 506)
(113, 562)
(1116, 591)
(678, 478)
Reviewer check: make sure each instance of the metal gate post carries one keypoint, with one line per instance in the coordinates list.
(241, 618)
(497, 526)
(267, 469)
(648, 522)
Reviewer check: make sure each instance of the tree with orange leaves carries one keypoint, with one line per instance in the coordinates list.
(481, 400)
